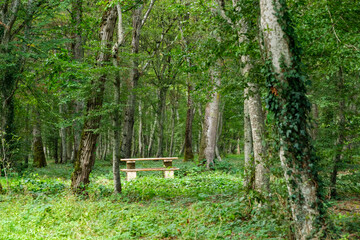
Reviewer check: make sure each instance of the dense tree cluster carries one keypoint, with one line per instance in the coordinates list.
(277, 81)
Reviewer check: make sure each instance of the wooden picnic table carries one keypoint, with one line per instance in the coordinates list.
(131, 170)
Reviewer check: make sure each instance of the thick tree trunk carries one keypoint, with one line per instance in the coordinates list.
(116, 137)
(256, 117)
(262, 178)
(116, 114)
(86, 159)
(161, 117)
(248, 147)
(188, 154)
(7, 113)
(287, 99)
(39, 155)
(341, 134)
(208, 139)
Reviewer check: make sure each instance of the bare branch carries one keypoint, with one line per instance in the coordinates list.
(147, 13)
(121, 37)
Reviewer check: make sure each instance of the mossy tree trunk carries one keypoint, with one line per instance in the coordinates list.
(86, 156)
(287, 99)
(210, 125)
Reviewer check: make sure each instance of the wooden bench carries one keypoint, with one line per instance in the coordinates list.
(131, 170)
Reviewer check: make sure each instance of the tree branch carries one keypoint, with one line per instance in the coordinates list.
(147, 13)
(223, 13)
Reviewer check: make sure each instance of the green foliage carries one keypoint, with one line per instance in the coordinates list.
(200, 205)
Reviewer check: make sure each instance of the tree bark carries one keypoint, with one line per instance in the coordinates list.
(287, 99)
(248, 147)
(86, 159)
(64, 151)
(151, 138)
(140, 134)
(39, 155)
(262, 179)
(208, 139)
(116, 137)
(161, 117)
(188, 154)
(315, 118)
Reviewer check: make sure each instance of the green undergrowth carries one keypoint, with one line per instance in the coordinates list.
(197, 204)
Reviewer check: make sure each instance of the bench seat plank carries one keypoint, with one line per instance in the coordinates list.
(148, 159)
(149, 169)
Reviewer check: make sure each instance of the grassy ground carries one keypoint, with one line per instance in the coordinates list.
(194, 205)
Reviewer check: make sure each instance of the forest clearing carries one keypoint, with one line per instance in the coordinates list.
(197, 204)
(179, 119)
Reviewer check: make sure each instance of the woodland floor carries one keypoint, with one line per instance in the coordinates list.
(196, 204)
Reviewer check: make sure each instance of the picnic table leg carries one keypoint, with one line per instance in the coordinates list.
(168, 174)
(130, 175)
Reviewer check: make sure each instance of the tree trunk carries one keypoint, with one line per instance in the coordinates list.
(78, 55)
(161, 117)
(262, 178)
(140, 133)
(248, 147)
(116, 137)
(39, 155)
(172, 137)
(56, 152)
(151, 139)
(188, 154)
(287, 99)
(64, 151)
(238, 149)
(86, 159)
(256, 117)
(208, 139)
(315, 118)
(69, 142)
(341, 134)
(132, 84)
(219, 132)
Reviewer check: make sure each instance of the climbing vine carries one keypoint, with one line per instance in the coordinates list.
(287, 99)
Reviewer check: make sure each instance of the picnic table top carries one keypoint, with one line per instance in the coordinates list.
(149, 169)
(149, 159)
